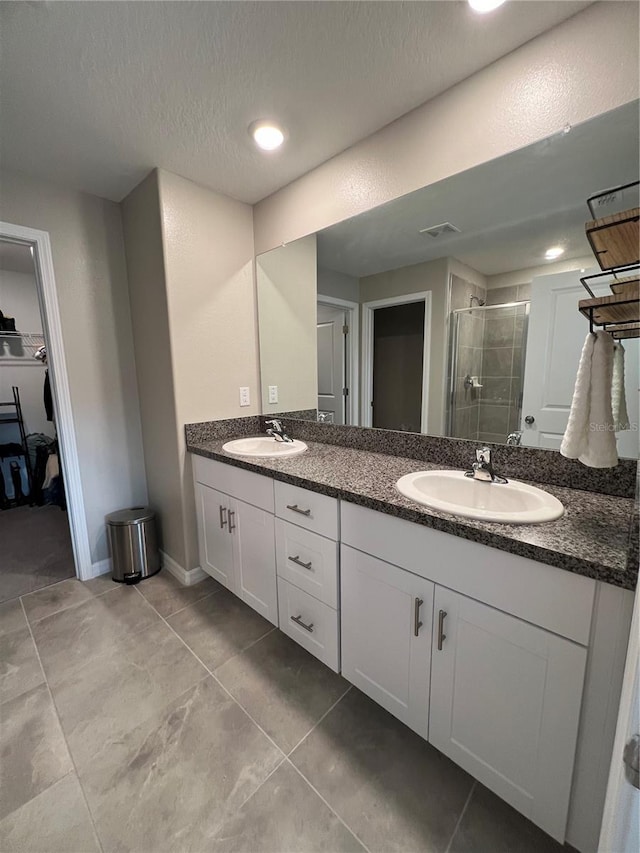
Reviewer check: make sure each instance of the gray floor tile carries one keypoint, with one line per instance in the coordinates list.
(11, 617)
(57, 597)
(168, 595)
(112, 694)
(392, 788)
(219, 627)
(284, 815)
(489, 825)
(33, 752)
(56, 821)
(284, 688)
(169, 784)
(20, 668)
(103, 583)
(69, 638)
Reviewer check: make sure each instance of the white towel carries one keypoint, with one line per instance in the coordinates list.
(618, 395)
(590, 436)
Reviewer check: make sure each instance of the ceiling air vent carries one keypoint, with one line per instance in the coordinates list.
(440, 230)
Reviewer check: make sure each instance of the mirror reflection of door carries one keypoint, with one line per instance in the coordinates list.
(556, 336)
(398, 348)
(332, 360)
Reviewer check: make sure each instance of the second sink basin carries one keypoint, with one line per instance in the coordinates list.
(264, 446)
(509, 503)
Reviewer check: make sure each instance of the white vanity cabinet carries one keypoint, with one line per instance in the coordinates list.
(236, 537)
(307, 566)
(494, 675)
(505, 704)
(386, 635)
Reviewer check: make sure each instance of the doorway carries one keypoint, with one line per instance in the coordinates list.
(337, 322)
(396, 341)
(43, 535)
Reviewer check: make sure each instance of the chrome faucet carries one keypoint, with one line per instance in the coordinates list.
(514, 438)
(275, 430)
(482, 469)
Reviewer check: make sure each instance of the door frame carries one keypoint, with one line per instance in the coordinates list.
(367, 352)
(40, 244)
(353, 350)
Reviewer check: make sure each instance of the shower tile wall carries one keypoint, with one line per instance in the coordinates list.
(516, 293)
(469, 362)
(499, 402)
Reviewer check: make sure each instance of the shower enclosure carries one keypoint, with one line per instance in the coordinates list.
(486, 370)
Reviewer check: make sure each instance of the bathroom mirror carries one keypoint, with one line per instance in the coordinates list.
(452, 310)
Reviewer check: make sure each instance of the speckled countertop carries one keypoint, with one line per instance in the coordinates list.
(596, 537)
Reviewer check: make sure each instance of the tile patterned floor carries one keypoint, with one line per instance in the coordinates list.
(164, 718)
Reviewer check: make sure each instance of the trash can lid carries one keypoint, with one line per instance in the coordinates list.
(132, 515)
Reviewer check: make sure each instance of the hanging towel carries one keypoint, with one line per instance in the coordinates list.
(618, 396)
(590, 436)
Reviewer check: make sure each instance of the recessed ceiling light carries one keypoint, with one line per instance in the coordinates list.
(553, 253)
(266, 134)
(483, 6)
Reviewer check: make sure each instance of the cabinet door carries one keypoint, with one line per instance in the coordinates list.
(254, 549)
(386, 635)
(505, 703)
(214, 542)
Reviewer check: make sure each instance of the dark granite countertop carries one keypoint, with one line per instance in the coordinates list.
(596, 537)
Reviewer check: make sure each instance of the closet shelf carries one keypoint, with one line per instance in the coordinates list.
(615, 239)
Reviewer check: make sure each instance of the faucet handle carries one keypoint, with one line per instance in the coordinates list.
(274, 423)
(483, 454)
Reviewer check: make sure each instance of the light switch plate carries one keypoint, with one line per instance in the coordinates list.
(273, 393)
(245, 397)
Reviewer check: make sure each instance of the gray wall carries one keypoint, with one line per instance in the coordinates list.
(91, 282)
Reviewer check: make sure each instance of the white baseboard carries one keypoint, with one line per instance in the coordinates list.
(187, 577)
(102, 567)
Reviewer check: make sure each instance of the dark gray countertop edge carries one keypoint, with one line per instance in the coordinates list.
(625, 578)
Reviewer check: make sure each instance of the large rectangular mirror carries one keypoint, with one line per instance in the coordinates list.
(453, 310)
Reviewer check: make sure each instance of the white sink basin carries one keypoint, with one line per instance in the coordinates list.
(264, 446)
(451, 491)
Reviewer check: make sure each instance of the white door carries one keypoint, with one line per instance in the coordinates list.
(621, 820)
(557, 332)
(505, 705)
(214, 542)
(331, 362)
(386, 635)
(254, 550)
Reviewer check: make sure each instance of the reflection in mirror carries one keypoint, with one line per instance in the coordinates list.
(452, 310)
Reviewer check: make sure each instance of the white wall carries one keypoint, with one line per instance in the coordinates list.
(286, 281)
(582, 68)
(19, 299)
(91, 282)
(338, 284)
(526, 276)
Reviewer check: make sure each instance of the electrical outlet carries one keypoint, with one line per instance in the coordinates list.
(245, 397)
(273, 393)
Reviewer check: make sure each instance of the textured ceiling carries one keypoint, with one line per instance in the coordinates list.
(509, 211)
(95, 94)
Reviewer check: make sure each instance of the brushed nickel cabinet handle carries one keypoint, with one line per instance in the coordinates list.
(298, 621)
(299, 562)
(296, 508)
(417, 624)
(442, 615)
(232, 514)
(223, 516)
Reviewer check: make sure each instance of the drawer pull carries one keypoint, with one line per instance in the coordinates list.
(298, 621)
(296, 508)
(417, 624)
(223, 516)
(442, 614)
(232, 514)
(299, 562)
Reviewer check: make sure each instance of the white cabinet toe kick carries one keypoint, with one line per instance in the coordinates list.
(510, 667)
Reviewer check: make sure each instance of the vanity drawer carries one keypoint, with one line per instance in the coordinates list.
(310, 510)
(251, 488)
(311, 623)
(307, 560)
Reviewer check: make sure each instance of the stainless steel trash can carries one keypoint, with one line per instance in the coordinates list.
(133, 544)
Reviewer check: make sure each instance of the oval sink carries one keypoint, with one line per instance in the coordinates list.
(264, 446)
(509, 503)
